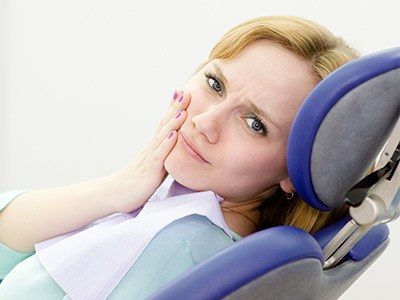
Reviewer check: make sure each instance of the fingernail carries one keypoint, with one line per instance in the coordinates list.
(175, 95)
(170, 134)
(178, 114)
(180, 98)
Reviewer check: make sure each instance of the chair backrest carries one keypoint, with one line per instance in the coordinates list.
(282, 262)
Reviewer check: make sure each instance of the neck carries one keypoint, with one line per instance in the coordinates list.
(243, 217)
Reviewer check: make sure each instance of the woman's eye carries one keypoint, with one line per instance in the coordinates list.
(257, 125)
(213, 82)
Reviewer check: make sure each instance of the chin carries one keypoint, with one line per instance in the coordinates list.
(177, 171)
(176, 167)
(168, 165)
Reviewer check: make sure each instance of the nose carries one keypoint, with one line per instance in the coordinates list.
(208, 121)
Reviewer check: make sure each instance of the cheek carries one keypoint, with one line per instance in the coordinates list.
(256, 167)
(198, 94)
(193, 86)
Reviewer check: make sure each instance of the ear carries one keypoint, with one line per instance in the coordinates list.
(286, 185)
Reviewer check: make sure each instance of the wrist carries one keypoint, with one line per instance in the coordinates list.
(119, 191)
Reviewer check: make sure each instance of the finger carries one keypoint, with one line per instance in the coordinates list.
(174, 124)
(178, 103)
(182, 101)
(161, 153)
(175, 97)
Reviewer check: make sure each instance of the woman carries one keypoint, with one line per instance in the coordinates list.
(236, 112)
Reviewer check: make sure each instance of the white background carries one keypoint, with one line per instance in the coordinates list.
(83, 83)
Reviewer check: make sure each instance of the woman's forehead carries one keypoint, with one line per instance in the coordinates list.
(267, 71)
(269, 64)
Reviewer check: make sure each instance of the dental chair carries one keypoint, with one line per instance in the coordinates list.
(341, 128)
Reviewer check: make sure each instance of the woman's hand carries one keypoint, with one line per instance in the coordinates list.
(143, 175)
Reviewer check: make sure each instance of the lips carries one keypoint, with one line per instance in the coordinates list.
(192, 145)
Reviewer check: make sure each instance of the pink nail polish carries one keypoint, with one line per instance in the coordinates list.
(180, 98)
(178, 114)
(170, 134)
(175, 95)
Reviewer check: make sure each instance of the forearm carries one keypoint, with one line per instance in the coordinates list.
(35, 216)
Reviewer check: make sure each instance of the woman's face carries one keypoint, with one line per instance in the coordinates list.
(246, 156)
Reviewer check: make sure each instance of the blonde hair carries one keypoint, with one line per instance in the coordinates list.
(325, 52)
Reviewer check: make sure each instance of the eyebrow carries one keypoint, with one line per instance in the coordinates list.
(249, 104)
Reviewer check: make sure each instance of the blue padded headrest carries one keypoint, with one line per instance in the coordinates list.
(342, 126)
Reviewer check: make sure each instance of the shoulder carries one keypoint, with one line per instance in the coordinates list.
(177, 247)
(198, 234)
(192, 226)
(7, 196)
